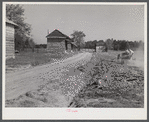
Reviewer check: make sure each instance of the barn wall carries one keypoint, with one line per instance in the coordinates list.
(69, 47)
(10, 51)
(56, 46)
(54, 39)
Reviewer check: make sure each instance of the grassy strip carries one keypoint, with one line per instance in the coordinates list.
(35, 58)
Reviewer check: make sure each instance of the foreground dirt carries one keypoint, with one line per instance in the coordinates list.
(51, 85)
(112, 84)
(79, 82)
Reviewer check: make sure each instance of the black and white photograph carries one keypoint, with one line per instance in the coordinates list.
(74, 60)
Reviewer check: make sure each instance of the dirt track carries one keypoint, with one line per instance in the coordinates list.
(21, 82)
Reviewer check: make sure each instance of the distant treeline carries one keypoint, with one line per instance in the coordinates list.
(41, 46)
(29, 43)
(116, 44)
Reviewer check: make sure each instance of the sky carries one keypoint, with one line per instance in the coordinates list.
(98, 22)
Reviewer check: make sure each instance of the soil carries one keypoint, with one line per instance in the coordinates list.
(112, 84)
(84, 80)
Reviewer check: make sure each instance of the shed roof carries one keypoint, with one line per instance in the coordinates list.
(56, 34)
(11, 22)
(100, 44)
(74, 44)
(71, 42)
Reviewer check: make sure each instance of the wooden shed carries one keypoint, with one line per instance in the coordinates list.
(59, 43)
(10, 37)
(100, 46)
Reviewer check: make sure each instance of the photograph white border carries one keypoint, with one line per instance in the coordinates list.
(75, 113)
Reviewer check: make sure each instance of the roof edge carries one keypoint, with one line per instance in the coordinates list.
(11, 22)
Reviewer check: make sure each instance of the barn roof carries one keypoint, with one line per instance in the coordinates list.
(57, 34)
(11, 22)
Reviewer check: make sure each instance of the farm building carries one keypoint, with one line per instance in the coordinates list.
(59, 43)
(100, 46)
(10, 37)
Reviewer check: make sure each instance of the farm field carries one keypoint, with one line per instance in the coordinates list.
(112, 84)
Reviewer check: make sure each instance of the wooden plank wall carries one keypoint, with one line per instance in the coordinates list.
(69, 47)
(56, 46)
(10, 51)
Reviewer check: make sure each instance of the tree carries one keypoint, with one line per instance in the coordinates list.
(106, 48)
(109, 43)
(78, 37)
(27, 43)
(127, 45)
(15, 13)
(94, 43)
(115, 45)
(32, 44)
(141, 45)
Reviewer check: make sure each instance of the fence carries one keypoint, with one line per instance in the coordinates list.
(88, 49)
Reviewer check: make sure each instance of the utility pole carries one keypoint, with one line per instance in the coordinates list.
(48, 31)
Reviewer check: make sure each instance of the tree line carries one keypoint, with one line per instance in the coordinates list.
(41, 46)
(113, 44)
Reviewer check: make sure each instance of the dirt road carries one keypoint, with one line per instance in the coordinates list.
(21, 82)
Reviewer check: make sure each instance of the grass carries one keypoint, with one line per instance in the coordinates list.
(28, 57)
(40, 56)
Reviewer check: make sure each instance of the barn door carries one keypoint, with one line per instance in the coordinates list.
(66, 45)
(71, 46)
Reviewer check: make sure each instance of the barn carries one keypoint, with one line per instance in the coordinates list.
(10, 37)
(100, 46)
(59, 43)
